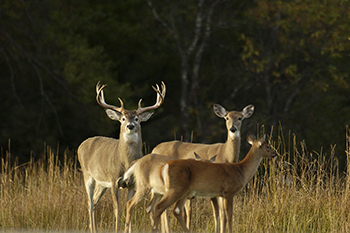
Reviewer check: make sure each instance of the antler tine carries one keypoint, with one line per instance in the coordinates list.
(159, 100)
(101, 99)
(163, 91)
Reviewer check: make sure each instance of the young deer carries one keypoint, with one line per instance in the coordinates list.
(103, 160)
(147, 168)
(226, 152)
(178, 180)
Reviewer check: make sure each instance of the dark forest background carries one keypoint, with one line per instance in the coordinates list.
(290, 59)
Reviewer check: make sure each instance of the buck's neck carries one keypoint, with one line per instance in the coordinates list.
(232, 147)
(131, 144)
(250, 164)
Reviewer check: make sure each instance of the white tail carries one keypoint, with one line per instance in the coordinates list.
(145, 172)
(226, 152)
(104, 159)
(182, 179)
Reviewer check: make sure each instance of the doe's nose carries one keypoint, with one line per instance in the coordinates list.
(233, 129)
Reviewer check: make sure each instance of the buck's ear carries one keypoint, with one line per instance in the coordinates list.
(114, 115)
(219, 110)
(145, 116)
(251, 138)
(263, 138)
(248, 111)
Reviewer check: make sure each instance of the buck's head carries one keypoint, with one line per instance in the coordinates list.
(264, 149)
(233, 118)
(130, 120)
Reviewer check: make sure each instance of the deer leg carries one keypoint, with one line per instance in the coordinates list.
(165, 222)
(188, 212)
(155, 198)
(168, 199)
(115, 198)
(222, 215)
(97, 195)
(178, 212)
(141, 191)
(131, 193)
(215, 206)
(90, 187)
(228, 205)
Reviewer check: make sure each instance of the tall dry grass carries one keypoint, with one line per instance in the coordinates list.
(298, 192)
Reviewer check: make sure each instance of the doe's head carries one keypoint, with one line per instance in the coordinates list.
(265, 150)
(233, 118)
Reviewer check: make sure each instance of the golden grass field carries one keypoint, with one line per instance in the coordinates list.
(298, 192)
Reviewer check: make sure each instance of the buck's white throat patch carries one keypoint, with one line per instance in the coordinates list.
(131, 137)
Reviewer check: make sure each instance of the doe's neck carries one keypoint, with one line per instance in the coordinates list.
(250, 163)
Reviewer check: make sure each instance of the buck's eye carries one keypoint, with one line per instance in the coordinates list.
(123, 119)
(136, 119)
(239, 118)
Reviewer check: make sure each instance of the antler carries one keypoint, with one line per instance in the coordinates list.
(101, 99)
(159, 101)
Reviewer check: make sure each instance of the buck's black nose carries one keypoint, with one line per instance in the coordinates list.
(233, 129)
(130, 126)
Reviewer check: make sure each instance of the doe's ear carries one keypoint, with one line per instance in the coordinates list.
(145, 116)
(114, 115)
(263, 138)
(251, 138)
(212, 159)
(219, 110)
(248, 111)
(197, 156)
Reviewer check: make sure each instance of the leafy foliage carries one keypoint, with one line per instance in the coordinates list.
(288, 58)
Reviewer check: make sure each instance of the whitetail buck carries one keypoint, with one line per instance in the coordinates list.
(226, 152)
(180, 179)
(103, 160)
(147, 169)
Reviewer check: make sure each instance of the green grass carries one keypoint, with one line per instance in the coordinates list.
(298, 192)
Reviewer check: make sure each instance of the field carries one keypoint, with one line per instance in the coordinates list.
(298, 192)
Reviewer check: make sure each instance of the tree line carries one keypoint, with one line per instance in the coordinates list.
(290, 59)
